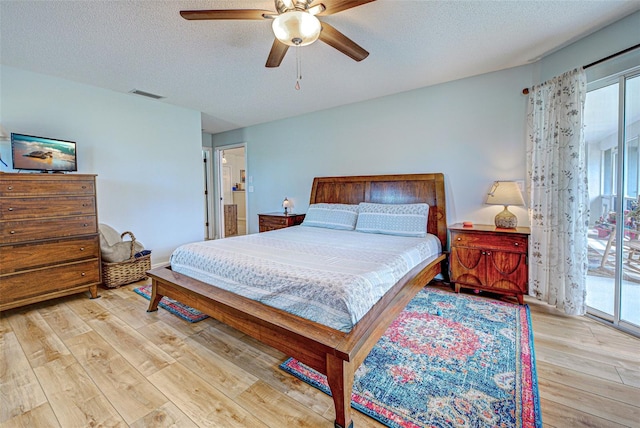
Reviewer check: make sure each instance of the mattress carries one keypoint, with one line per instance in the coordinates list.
(332, 277)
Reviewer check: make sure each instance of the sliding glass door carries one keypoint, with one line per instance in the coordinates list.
(612, 134)
(629, 305)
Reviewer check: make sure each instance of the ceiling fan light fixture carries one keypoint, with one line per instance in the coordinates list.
(296, 28)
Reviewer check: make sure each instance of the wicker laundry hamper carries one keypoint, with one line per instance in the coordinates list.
(135, 269)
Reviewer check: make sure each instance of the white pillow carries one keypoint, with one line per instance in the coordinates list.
(393, 219)
(332, 216)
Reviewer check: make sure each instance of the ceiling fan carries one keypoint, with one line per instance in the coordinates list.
(295, 23)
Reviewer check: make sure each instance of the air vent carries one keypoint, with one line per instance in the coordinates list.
(146, 94)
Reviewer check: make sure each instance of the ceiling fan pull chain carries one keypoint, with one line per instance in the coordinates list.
(298, 67)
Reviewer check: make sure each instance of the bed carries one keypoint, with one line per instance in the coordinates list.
(335, 353)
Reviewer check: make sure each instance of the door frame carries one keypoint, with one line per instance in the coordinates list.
(208, 168)
(219, 209)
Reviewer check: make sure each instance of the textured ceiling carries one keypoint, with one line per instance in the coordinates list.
(217, 67)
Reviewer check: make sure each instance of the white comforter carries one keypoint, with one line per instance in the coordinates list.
(332, 277)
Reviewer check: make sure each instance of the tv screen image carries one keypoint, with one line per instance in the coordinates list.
(43, 154)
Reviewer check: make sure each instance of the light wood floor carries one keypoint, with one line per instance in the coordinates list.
(76, 362)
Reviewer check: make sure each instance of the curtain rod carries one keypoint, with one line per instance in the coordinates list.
(525, 91)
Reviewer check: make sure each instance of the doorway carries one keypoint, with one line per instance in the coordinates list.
(232, 177)
(612, 130)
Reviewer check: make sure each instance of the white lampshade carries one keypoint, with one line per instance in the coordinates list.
(286, 204)
(505, 193)
(296, 28)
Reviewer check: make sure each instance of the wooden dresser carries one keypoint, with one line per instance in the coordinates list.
(49, 242)
(484, 257)
(273, 221)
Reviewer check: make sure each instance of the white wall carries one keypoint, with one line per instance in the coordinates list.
(146, 153)
(472, 130)
(616, 37)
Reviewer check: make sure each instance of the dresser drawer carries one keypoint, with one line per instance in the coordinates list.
(505, 242)
(48, 280)
(31, 230)
(46, 187)
(24, 208)
(14, 258)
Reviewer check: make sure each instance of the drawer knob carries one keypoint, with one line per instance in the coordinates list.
(459, 239)
(83, 274)
(81, 248)
(85, 225)
(516, 244)
(10, 187)
(10, 208)
(13, 232)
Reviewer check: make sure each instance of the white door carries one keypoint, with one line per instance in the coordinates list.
(227, 197)
(230, 184)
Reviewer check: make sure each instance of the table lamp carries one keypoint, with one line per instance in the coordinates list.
(286, 204)
(505, 193)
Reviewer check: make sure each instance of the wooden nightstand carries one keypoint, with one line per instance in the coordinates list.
(484, 257)
(273, 221)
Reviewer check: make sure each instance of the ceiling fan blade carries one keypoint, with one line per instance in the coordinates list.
(335, 6)
(225, 14)
(339, 41)
(278, 51)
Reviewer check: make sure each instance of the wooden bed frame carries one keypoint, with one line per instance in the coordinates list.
(331, 352)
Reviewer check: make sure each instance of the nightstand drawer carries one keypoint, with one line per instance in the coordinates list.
(274, 221)
(505, 242)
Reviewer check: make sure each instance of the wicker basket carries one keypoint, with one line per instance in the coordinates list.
(120, 273)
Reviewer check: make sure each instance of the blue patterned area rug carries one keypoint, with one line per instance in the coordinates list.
(185, 312)
(448, 360)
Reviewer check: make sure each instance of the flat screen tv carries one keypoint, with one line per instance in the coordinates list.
(43, 154)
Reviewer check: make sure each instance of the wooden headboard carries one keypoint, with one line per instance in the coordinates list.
(388, 189)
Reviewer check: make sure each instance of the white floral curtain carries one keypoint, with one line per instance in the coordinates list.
(558, 194)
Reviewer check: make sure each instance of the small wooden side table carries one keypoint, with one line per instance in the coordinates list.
(273, 221)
